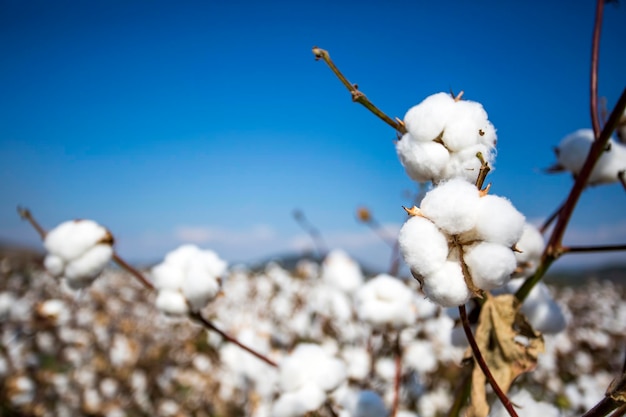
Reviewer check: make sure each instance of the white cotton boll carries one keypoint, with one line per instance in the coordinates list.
(54, 265)
(489, 136)
(297, 403)
(539, 307)
(167, 276)
(358, 362)
(491, 265)
(423, 246)
(385, 301)
(498, 221)
(465, 164)
(452, 206)
(421, 356)
(171, 302)
(71, 239)
(464, 125)
(446, 286)
(530, 248)
(199, 286)
(427, 120)
(89, 265)
(309, 363)
(341, 271)
(422, 161)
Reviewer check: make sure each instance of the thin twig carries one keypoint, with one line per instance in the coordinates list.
(397, 380)
(595, 53)
(484, 170)
(551, 219)
(133, 271)
(315, 234)
(357, 96)
(483, 365)
(25, 214)
(207, 324)
(587, 249)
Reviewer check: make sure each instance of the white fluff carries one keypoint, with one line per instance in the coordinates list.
(171, 302)
(422, 161)
(309, 363)
(446, 286)
(452, 206)
(463, 128)
(465, 164)
(421, 356)
(297, 403)
(498, 221)
(530, 247)
(490, 264)
(193, 273)
(526, 405)
(341, 271)
(385, 301)
(542, 312)
(423, 246)
(428, 119)
(78, 250)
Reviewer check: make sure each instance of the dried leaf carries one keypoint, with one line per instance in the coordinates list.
(508, 344)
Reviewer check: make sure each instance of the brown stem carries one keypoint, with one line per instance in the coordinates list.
(483, 365)
(397, 381)
(133, 271)
(552, 250)
(357, 95)
(25, 214)
(484, 170)
(210, 326)
(551, 219)
(329, 407)
(621, 176)
(619, 412)
(595, 52)
(583, 249)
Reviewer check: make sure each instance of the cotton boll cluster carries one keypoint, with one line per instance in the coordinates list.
(574, 148)
(307, 375)
(188, 278)
(78, 251)
(457, 226)
(443, 137)
(385, 301)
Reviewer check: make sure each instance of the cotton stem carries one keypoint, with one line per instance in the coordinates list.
(483, 365)
(25, 214)
(587, 249)
(357, 96)
(593, 84)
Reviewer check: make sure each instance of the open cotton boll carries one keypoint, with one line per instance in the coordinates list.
(54, 265)
(452, 206)
(428, 119)
(539, 307)
(422, 161)
(498, 221)
(72, 238)
(464, 125)
(465, 164)
(81, 271)
(167, 276)
(423, 246)
(490, 264)
(309, 363)
(446, 286)
(421, 356)
(297, 403)
(199, 287)
(171, 302)
(385, 301)
(530, 248)
(341, 271)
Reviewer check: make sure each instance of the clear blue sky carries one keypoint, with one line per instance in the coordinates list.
(211, 121)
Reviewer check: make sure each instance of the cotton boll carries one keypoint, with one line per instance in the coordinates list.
(385, 301)
(358, 361)
(446, 286)
(452, 206)
(199, 286)
(171, 302)
(542, 312)
(54, 265)
(71, 239)
(465, 164)
(530, 248)
(423, 246)
(308, 363)
(422, 161)
(341, 271)
(464, 126)
(421, 356)
(427, 120)
(89, 265)
(297, 403)
(490, 264)
(498, 221)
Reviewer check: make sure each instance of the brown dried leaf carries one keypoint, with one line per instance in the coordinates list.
(508, 344)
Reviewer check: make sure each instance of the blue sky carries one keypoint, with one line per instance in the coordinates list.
(211, 122)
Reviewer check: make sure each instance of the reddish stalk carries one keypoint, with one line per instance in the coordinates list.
(133, 271)
(483, 365)
(397, 381)
(25, 214)
(588, 249)
(595, 53)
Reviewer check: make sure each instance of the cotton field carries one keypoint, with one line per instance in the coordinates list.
(339, 339)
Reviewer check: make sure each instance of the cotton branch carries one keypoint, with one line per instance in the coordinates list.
(357, 96)
(595, 52)
(589, 249)
(315, 234)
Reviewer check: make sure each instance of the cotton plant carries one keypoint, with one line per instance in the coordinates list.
(78, 252)
(306, 377)
(460, 241)
(386, 302)
(444, 134)
(187, 279)
(573, 150)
